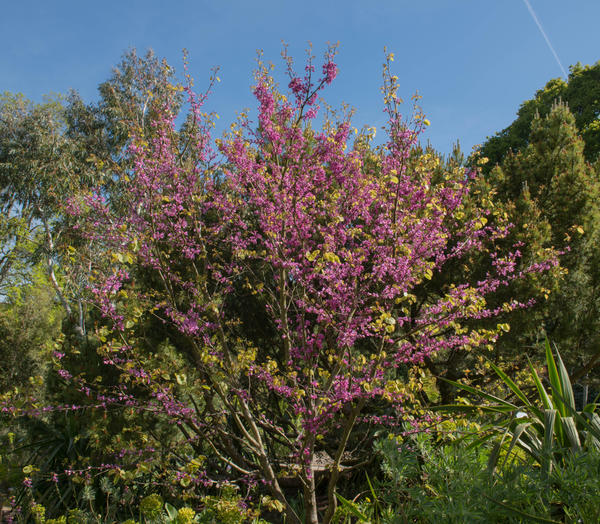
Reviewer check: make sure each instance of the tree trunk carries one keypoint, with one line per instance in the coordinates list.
(311, 515)
(77, 326)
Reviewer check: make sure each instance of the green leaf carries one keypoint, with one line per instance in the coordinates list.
(565, 383)
(592, 440)
(375, 499)
(516, 439)
(587, 422)
(554, 378)
(514, 388)
(465, 408)
(475, 444)
(571, 433)
(528, 516)
(495, 454)
(171, 511)
(352, 508)
(481, 394)
(546, 401)
(549, 421)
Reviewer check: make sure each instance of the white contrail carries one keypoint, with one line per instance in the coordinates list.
(535, 18)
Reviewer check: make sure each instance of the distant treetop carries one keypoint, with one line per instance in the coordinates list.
(581, 93)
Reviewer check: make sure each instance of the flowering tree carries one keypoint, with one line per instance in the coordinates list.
(286, 260)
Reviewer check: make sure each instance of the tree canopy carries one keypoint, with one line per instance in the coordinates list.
(581, 92)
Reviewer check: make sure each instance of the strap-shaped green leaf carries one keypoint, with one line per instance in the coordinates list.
(476, 443)
(554, 378)
(495, 454)
(591, 441)
(549, 421)
(565, 382)
(352, 508)
(466, 408)
(571, 433)
(514, 388)
(529, 517)
(479, 393)
(584, 420)
(544, 397)
(516, 440)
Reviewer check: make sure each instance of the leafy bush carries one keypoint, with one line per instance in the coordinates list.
(425, 480)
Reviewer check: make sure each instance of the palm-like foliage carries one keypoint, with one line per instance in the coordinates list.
(548, 429)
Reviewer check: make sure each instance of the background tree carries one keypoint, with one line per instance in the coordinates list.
(549, 193)
(49, 153)
(40, 167)
(556, 203)
(29, 324)
(581, 93)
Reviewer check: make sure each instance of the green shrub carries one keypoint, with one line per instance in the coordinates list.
(425, 480)
(151, 506)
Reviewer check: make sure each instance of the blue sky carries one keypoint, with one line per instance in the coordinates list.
(473, 61)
